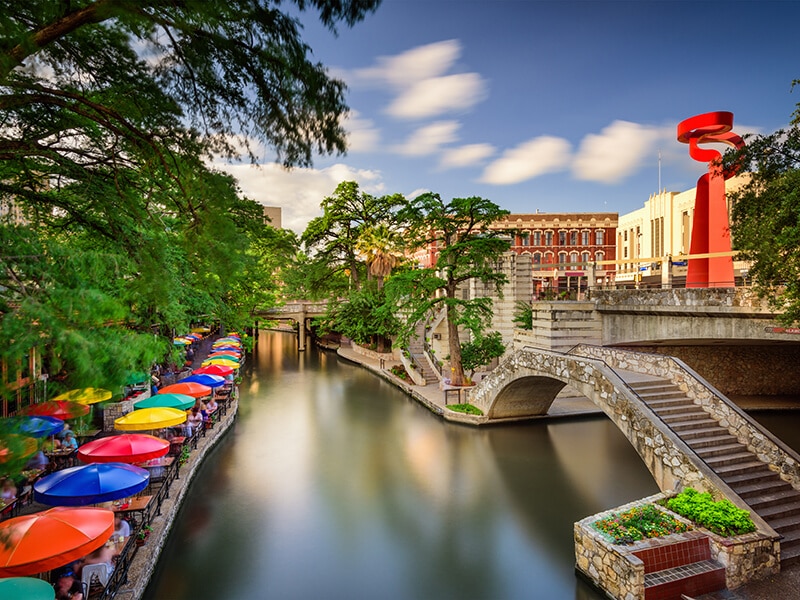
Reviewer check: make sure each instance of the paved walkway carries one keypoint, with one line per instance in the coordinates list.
(783, 585)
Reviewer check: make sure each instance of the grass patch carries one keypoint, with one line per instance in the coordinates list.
(465, 408)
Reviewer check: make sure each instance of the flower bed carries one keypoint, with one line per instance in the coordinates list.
(638, 523)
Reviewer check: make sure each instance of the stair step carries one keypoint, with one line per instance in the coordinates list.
(752, 466)
(785, 523)
(755, 475)
(666, 399)
(703, 577)
(775, 506)
(723, 439)
(724, 450)
(767, 489)
(678, 416)
(703, 432)
(729, 459)
(680, 426)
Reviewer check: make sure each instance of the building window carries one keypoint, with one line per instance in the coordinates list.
(562, 257)
(537, 258)
(585, 257)
(548, 238)
(573, 238)
(598, 237)
(584, 238)
(562, 238)
(625, 235)
(526, 239)
(573, 257)
(599, 255)
(537, 238)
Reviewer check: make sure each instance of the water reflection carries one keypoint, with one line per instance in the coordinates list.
(334, 484)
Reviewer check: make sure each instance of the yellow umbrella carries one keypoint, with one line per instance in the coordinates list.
(221, 361)
(201, 330)
(85, 396)
(150, 418)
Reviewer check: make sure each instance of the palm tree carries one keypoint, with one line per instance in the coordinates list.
(382, 249)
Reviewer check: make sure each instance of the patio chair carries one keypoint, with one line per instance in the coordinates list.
(95, 578)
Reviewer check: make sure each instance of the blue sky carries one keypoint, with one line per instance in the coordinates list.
(558, 106)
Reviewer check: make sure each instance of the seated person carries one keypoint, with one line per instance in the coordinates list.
(104, 555)
(122, 530)
(8, 490)
(194, 421)
(51, 444)
(69, 443)
(68, 586)
(212, 405)
(37, 462)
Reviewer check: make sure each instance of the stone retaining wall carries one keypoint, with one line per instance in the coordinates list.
(614, 568)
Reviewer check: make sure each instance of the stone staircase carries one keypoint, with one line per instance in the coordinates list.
(416, 349)
(774, 500)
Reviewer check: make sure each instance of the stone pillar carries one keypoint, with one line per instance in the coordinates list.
(666, 273)
(301, 332)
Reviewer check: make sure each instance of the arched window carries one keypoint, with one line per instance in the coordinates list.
(599, 255)
(537, 238)
(573, 238)
(573, 257)
(562, 257)
(562, 238)
(585, 237)
(548, 238)
(537, 258)
(599, 236)
(584, 257)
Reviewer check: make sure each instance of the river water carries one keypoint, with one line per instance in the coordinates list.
(334, 484)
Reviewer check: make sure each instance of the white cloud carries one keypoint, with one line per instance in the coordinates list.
(417, 64)
(417, 192)
(428, 140)
(466, 156)
(616, 153)
(438, 95)
(545, 154)
(421, 81)
(298, 192)
(362, 135)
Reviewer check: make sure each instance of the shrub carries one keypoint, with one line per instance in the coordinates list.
(638, 523)
(399, 371)
(721, 516)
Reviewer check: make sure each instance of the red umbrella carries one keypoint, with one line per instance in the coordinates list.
(195, 390)
(126, 447)
(214, 370)
(45, 540)
(60, 409)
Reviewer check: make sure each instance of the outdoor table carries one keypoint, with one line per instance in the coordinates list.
(137, 510)
(7, 507)
(61, 458)
(157, 467)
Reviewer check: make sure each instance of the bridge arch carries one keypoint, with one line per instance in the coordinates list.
(527, 382)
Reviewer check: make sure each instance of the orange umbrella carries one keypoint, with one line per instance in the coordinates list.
(190, 388)
(46, 540)
(60, 409)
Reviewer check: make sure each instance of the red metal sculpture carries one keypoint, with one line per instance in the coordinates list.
(710, 229)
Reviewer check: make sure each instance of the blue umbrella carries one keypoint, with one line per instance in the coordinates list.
(211, 381)
(35, 426)
(90, 484)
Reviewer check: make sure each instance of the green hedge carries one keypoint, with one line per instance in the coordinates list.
(721, 517)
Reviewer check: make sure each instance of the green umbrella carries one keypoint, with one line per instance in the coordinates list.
(29, 588)
(179, 401)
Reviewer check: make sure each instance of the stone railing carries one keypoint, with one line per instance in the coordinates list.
(704, 298)
(768, 448)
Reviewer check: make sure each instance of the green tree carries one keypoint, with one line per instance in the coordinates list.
(340, 238)
(481, 351)
(765, 217)
(468, 249)
(365, 317)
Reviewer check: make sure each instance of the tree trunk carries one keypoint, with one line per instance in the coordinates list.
(456, 368)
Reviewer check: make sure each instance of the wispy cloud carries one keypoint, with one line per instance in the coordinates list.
(545, 154)
(429, 139)
(466, 156)
(615, 153)
(362, 135)
(298, 192)
(419, 78)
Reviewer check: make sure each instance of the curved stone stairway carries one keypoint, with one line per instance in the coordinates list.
(773, 499)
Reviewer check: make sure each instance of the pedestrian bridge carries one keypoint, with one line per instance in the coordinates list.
(686, 431)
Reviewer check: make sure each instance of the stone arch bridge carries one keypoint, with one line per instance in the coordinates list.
(686, 432)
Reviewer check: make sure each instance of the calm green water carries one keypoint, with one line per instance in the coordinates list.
(335, 485)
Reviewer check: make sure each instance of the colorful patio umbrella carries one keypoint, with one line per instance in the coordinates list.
(125, 447)
(201, 329)
(181, 342)
(193, 336)
(214, 370)
(226, 343)
(45, 540)
(195, 390)
(221, 361)
(226, 350)
(85, 396)
(90, 484)
(206, 379)
(38, 427)
(228, 355)
(150, 418)
(179, 401)
(28, 588)
(61, 409)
